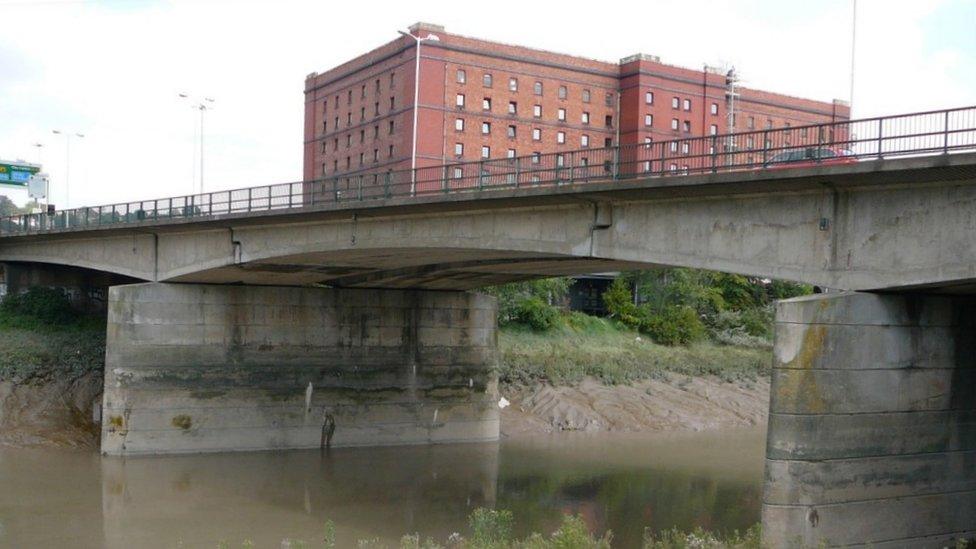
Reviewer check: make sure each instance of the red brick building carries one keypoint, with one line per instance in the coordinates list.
(481, 99)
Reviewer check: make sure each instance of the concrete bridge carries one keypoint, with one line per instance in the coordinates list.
(232, 342)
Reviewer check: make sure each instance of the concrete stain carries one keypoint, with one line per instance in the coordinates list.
(182, 421)
(797, 381)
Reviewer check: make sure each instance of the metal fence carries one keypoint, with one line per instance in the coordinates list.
(916, 134)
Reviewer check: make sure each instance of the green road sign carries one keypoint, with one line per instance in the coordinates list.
(17, 173)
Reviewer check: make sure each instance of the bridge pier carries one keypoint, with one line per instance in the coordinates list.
(207, 368)
(872, 426)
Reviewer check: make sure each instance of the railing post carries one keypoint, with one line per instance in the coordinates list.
(765, 149)
(481, 175)
(250, 196)
(445, 179)
(572, 167)
(714, 152)
(518, 171)
(360, 189)
(945, 135)
(615, 165)
(880, 141)
(335, 189)
(386, 184)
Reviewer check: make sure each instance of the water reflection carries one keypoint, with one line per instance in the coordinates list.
(619, 482)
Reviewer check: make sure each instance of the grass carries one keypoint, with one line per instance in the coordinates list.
(585, 346)
(44, 352)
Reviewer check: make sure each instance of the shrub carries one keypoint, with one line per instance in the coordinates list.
(37, 306)
(490, 527)
(536, 313)
(620, 303)
(674, 325)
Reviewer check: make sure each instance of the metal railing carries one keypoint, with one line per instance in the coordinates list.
(916, 134)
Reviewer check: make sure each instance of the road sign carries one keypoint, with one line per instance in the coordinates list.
(17, 174)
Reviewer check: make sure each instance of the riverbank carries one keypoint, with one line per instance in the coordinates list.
(587, 377)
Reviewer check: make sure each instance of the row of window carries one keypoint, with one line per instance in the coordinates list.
(391, 127)
(512, 132)
(362, 160)
(460, 102)
(562, 92)
(362, 93)
(362, 116)
(535, 157)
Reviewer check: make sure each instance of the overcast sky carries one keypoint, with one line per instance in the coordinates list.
(112, 69)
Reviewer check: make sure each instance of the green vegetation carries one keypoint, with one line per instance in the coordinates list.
(43, 337)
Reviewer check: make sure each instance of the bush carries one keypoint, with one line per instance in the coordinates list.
(536, 313)
(674, 325)
(490, 527)
(37, 306)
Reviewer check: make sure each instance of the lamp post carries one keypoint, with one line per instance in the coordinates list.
(67, 162)
(201, 104)
(416, 103)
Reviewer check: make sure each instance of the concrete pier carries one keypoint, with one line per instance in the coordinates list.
(206, 368)
(872, 426)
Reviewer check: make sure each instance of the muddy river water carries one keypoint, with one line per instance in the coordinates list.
(621, 482)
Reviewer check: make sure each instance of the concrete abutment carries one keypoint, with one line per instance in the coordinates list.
(872, 425)
(207, 368)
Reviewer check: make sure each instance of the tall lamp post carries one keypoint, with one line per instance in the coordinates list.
(67, 162)
(201, 104)
(416, 103)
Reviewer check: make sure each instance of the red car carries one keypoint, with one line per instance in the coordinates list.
(810, 156)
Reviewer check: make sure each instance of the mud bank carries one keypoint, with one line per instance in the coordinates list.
(678, 403)
(55, 412)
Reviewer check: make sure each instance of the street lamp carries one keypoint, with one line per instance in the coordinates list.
(67, 162)
(416, 103)
(201, 104)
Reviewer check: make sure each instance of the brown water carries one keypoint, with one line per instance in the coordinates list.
(622, 482)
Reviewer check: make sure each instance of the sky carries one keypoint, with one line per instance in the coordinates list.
(112, 70)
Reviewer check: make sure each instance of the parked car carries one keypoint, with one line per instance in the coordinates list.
(810, 156)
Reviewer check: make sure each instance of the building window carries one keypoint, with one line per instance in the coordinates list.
(803, 132)
(486, 128)
(713, 129)
(685, 147)
(348, 140)
(335, 165)
(608, 121)
(392, 103)
(376, 108)
(562, 92)
(536, 134)
(673, 167)
(560, 160)
(458, 172)
(687, 104)
(647, 142)
(646, 165)
(586, 96)
(362, 93)
(376, 155)
(485, 151)
(376, 131)
(561, 115)
(537, 88)
(751, 123)
(512, 107)
(377, 86)
(459, 124)
(459, 100)
(560, 137)
(675, 102)
(750, 142)
(323, 168)
(769, 124)
(348, 119)
(585, 118)
(510, 153)
(348, 162)
(362, 114)
(325, 126)
(349, 97)
(649, 98)
(486, 104)
(714, 108)
(362, 158)
(362, 136)
(686, 126)
(536, 157)
(462, 76)
(512, 84)
(674, 123)
(486, 80)
(325, 106)
(335, 144)
(648, 120)
(608, 100)
(537, 111)
(391, 151)
(458, 149)
(511, 131)
(392, 76)
(673, 146)
(391, 127)
(584, 141)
